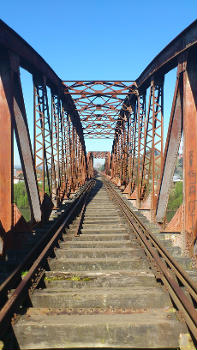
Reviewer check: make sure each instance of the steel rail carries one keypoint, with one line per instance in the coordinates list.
(35, 271)
(8, 283)
(167, 269)
(81, 217)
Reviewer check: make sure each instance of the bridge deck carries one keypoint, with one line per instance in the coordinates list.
(99, 290)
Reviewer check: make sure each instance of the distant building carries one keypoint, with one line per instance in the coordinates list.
(19, 172)
(18, 176)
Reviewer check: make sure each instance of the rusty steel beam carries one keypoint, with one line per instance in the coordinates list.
(171, 147)
(24, 143)
(56, 132)
(134, 144)
(108, 109)
(141, 111)
(150, 137)
(100, 154)
(34, 260)
(183, 121)
(21, 54)
(30, 60)
(6, 146)
(190, 148)
(99, 104)
(168, 58)
(14, 96)
(177, 282)
(90, 165)
(153, 144)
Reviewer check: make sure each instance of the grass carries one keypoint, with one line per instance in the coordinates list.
(21, 199)
(24, 273)
(64, 278)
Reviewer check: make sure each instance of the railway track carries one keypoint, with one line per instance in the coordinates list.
(101, 280)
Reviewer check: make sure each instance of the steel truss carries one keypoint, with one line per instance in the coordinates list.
(98, 104)
(55, 163)
(138, 164)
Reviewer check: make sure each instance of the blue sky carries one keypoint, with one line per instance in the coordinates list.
(99, 39)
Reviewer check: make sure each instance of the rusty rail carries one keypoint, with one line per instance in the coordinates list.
(35, 273)
(81, 217)
(131, 111)
(166, 268)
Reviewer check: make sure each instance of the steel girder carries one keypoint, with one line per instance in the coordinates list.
(131, 112)
(149, 174)
(101, 155)
(53, 160)
(99, 104)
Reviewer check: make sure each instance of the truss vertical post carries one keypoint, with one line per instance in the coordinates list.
(40, 120)
(119, 159)
(134, 145)
(68, 158)
(190, 148)
(63, 152)
(72, 157)
(157, 146)
(56, 132)
(79, 162)
(128, 148)
(172, 146)
(124, 155)
(6, 146)
(141, 120)
(83, 162)
(38, 141)
(24, 142)
(153, 150)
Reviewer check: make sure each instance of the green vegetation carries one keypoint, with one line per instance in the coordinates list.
(99, 166)
(20, 195)
(24, 273)
(179, 168)
(72, 278)
(175, 200)
(54, 278)
(21, 200)
(80, 279)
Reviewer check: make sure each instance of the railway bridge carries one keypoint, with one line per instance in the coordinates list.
(98, 263)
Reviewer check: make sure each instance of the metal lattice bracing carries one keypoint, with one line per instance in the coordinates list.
(100, 154)
(99, 104)
(54, 160)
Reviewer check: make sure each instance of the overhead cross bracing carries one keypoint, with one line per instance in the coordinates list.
(100, 154)
(99, 104)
